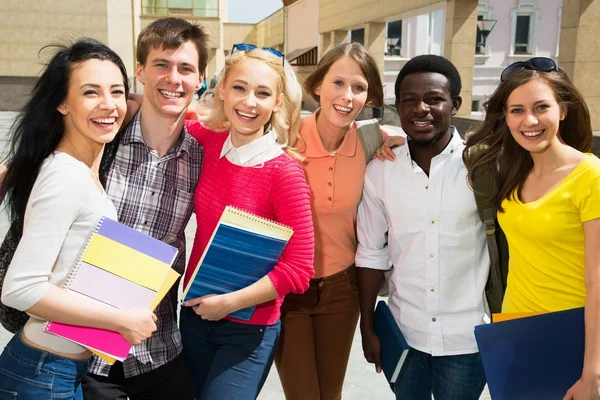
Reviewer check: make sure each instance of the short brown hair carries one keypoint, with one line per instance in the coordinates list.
(365, 61)
(169, 34)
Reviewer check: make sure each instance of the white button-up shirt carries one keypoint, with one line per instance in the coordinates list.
(429, 229)
(255, 153)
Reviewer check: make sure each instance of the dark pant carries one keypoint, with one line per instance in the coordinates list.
(317, 329)
(446, 377)
(227, 360)
(169, 381)
(30, 373)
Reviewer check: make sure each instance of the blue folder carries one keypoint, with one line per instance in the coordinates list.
(394, 347)
(243, 249)
(533, 358)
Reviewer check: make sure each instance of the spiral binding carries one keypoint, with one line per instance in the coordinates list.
(81, 254)
(258, 218)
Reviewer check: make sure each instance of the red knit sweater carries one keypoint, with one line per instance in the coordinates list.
(277, 190)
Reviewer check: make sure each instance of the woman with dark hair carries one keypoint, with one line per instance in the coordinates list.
(535, 139)
(54, 194)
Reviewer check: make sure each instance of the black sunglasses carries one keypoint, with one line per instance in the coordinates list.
(543, 64)
(250, 47)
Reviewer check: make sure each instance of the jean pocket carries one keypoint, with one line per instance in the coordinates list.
(13, 383)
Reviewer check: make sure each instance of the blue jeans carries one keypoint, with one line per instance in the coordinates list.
(227, 360)
(30, 373)
(447, 377)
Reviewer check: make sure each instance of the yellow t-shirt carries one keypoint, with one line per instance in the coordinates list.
(546, 243)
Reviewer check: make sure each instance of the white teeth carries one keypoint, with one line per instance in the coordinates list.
(104, 120)
(532, 134)
(172, 95)
(343, 109)
(422, 123)
(247, 115)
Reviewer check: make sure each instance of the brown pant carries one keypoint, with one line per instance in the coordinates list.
(317, 329)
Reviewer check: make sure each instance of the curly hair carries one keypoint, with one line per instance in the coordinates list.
(431, 63)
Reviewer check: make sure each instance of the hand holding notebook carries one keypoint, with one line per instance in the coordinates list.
(243, 249)
(121, 268)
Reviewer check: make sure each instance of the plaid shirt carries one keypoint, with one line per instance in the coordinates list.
(154, 195)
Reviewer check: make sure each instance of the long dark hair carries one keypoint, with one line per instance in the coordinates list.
(39, 127)
(490, 146)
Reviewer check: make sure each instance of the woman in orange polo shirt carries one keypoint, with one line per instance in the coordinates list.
(318, 326)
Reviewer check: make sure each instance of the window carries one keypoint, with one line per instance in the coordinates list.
(181, 8)
(522, 34)
(358, 36)
(479, 38)
(524, 30)
(476, 106)
(394, 38)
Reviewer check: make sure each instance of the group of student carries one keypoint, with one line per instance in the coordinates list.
(74, 160)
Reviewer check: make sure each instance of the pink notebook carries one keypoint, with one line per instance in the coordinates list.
(100, 340)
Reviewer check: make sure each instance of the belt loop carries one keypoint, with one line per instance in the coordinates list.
(41, 362)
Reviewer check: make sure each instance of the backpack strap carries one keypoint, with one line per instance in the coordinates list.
(483, 186)
(370, 136)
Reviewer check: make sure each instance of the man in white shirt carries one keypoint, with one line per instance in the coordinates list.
(419, 214)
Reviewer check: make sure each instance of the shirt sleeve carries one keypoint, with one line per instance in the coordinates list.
(53, 206)
(589, 200)
(291, 201)
(372, 225)
(198, 131)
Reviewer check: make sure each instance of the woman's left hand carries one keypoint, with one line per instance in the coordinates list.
(211, 307)
(586, 388)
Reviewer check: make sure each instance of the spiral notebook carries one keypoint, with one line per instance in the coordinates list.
(120, 267)
(243, 249)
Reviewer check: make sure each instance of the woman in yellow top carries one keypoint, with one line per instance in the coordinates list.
(547, 190)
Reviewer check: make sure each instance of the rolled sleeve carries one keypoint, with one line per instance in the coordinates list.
(372, 224)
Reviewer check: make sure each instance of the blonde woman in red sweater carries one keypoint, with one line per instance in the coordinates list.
(258, 100)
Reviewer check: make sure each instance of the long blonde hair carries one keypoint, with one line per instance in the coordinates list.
(286, 121)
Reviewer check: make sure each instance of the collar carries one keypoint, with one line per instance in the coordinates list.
(133, 134)
(250, 150)
(313, 145)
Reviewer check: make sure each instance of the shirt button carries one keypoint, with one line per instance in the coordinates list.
(433, 221)
(433, 319)
(329, 199)
(330, 169)
(329, 184)
(432, 290)
(145, 222)
(430, 255)
(426, 187)
(151, 193)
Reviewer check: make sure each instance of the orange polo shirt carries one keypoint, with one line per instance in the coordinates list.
(336, 181)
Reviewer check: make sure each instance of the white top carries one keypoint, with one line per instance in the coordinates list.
(436, 243)
(254, 153)
(64, 206)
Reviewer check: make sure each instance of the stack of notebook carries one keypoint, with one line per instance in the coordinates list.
(122, 268)
(243, 248)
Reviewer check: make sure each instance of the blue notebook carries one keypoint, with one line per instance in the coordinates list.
(243, 249)
(394, 347)
(533, 358)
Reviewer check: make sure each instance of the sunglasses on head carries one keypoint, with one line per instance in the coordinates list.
(543, 64)
(250, 47)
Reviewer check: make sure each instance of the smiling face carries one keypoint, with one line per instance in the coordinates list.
(343, 93)
(533, 115)
(425, 106)
(250, 97)
(95, 105)
(170, 79)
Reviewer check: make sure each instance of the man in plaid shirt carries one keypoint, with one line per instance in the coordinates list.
(151, 174)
